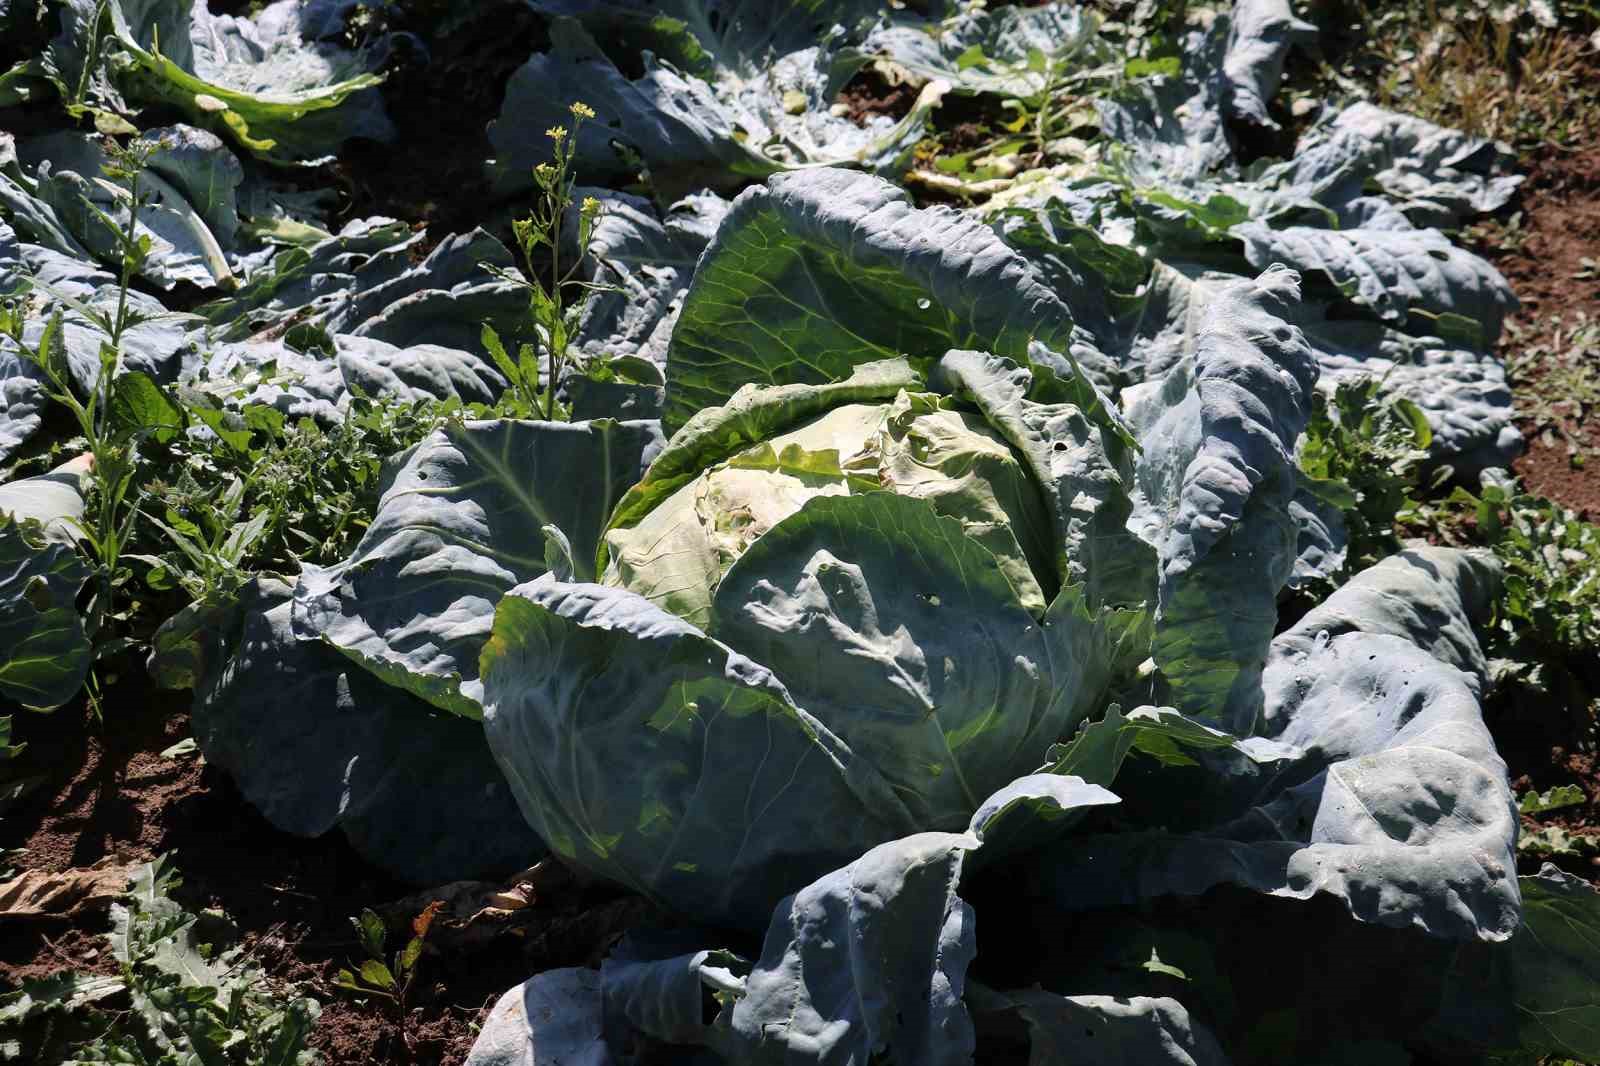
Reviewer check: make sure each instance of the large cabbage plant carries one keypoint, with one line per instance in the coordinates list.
(910, 630)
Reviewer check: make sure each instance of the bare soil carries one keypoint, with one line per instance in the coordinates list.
(868, 93)
(1560, 227)
(111, 793)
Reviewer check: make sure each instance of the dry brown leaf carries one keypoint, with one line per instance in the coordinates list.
(62, 893)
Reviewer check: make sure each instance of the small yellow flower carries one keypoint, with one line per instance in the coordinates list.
(542, 169)
(590, 205)
(555, 133)
(582, 110)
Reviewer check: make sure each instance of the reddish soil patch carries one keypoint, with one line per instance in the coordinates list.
(110, 792)
(869, 93)
(1560, 227)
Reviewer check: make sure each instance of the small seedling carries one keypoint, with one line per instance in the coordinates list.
(390, 977)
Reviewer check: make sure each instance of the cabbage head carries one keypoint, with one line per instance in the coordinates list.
(826, 616)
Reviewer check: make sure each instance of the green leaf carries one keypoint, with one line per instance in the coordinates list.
(139, 405)
(316, 99)
(845, 271)
(1212, 491)
(377, 975)
(1553, 799)
(409, 956)
(370, 932)
(497, 351)
(460, 523)
(1368, 706)
(44, 652)
(1534, 995)
(1395, 272)
(625, 683)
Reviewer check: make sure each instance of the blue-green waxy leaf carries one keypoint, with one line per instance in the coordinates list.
(315, 743)
(275, 83)
(1030, 812)
(1461, 391)
(1259, 40)
(649, 260)
(559, 1012)
(1213, 488)
(819, 271)
(1428, 597)
(188, 212)
(22, 400)
(867, 964)
(1395, 272)
(1015, 52)
(461, 522)
(1439, 176)
(1105, 1029)
(1383, 788)
(726, 90)
(44, 653)
(366, 281)
(736, 796)
(54, 501)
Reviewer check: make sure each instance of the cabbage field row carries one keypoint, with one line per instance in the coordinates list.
(878, 566)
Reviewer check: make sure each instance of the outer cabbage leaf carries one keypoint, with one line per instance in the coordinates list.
(729, 88)
(1440, 175)
(53, 501)
(736, 793)
(1386, 792)
(44, 653)
(554, 1017)
(366, 281)
(315, 743)
(1462, 392)
(319, 384)
(1324, 539)
(161, 344)
(73, 198)
(1015, 52)
(1426, 596)
(1259, 39)
(1395, 272)
(1099, 280)
(1535, 994)
(463, 520)
(867, 964)
(648, 260)
(1104, 1029)
(274, 83)
(23, 397)
(1213, 489)
(819, 271)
